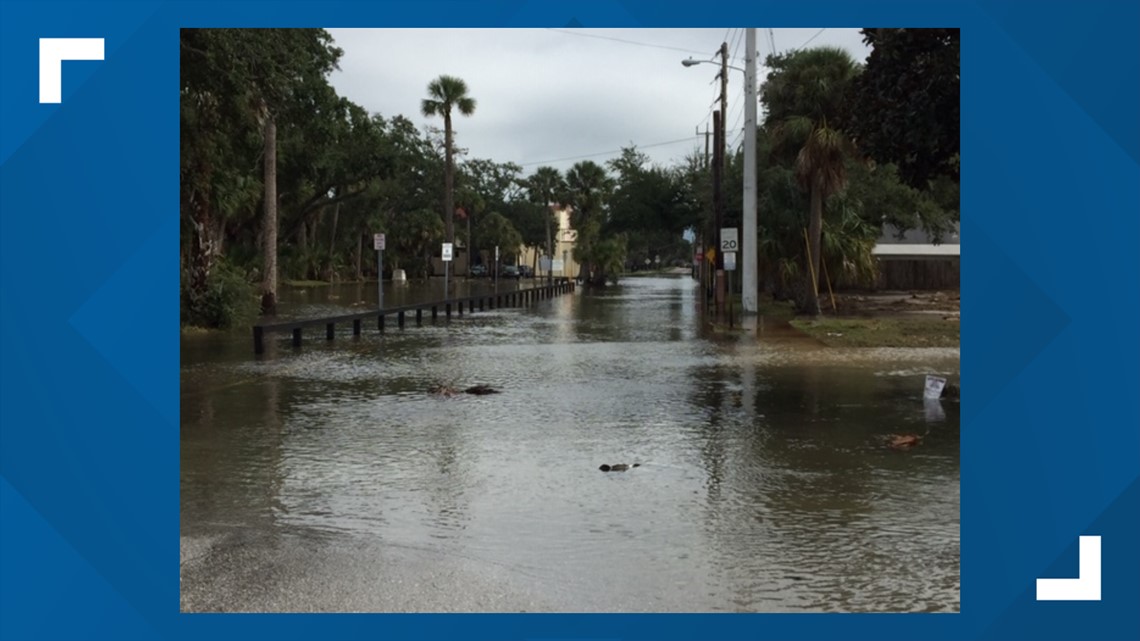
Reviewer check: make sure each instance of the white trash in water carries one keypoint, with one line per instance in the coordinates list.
(399, 275)
(934, 385)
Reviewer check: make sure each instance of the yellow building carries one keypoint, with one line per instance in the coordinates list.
(564, 238)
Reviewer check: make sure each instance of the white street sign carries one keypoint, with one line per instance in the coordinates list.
(729, 261)
(447, 252)
(933, 389)
(728, 239)
(378, 242)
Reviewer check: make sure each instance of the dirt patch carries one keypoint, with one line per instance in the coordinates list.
(945, 303)
(881, 331)
(887, 319)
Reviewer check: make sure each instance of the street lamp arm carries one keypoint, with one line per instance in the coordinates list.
(692, 63)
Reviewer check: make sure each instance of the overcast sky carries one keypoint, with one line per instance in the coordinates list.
(553, 96)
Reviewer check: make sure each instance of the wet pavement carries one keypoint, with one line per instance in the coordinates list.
(329, 479)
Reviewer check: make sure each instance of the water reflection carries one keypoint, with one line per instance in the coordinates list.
(764, 482)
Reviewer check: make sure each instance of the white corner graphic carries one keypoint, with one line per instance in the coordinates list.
(1086, 587)
(53, 51)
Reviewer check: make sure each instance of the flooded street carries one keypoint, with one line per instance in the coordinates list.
(329, 479)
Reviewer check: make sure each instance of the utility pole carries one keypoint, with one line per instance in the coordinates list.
(750, 292)
(700, 239)
(718, 208)
(720, 167)
(723, 113)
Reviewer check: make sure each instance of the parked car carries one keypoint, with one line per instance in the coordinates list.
(509, 271)
(478, 270)
(525, 271)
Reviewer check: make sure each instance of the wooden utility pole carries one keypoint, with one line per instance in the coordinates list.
(723, 146)
(717, 267)
(720, 166)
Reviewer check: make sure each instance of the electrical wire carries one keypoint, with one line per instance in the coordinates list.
(605, 153)
(808, 41)
(622, 40)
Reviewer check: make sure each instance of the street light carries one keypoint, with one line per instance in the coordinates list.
(750, 281)
(719, 125)
(692, 63)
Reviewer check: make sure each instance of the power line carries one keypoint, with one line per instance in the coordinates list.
(606, 153)
(628, 42)
(712, 107)
(810, 39)
(735, 46)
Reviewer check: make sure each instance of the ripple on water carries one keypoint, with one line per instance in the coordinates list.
(764, 483)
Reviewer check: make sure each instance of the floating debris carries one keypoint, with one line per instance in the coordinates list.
(952, 392)
(481, 390)
(619, 467)
(903, 441)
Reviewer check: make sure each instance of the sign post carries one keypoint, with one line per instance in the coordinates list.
(729, 242)
(730, 267)
(446, 268)
(497, 266)
(378, 244)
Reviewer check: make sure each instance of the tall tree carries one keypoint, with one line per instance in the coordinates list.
(905, 105)
(652, 205)
(494, 230)
(447, 94)
(588, 191)
(804, 96)
(238, 80)
(544, 187)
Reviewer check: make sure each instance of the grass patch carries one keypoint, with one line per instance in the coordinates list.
(195, 330)
(882, 332)
(306, 283)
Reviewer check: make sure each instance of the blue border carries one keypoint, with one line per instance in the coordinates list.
(89, 306)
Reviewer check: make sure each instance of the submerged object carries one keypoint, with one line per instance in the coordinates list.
(481, 390)
(903, 441)
(618, 467)
(951, 391)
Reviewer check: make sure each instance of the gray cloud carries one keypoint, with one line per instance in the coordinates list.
(545, 94)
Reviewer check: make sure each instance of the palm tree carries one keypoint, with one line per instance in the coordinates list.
(544, 186)
(804, 91)
(446, 93)
(587, 191)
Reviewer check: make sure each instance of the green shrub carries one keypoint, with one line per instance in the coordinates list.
(228, 301)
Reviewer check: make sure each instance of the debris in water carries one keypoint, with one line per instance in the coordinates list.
(903, 441)
(619, 467)
(481, 390)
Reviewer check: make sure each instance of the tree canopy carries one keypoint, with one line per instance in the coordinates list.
(342, 173)
(905, 107)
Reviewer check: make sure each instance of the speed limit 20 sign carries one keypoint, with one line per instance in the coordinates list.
(728, 239)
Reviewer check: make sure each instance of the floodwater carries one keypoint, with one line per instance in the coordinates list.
(329, 479)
